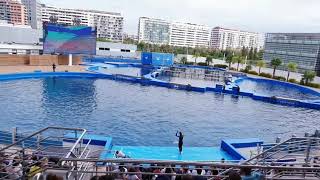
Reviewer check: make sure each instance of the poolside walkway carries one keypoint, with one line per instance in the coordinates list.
(27, 68)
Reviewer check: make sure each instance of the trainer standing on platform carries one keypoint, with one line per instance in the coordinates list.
(180, 144)
(54, 67)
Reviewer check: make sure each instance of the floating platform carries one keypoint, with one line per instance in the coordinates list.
(230, 149)
(171, 153)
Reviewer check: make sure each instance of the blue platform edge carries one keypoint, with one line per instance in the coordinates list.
(231, 145)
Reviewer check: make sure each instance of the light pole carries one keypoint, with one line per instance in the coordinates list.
(187, 52)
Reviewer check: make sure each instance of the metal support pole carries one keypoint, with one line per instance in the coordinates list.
(38, 140)
(14, 134)
(307, 160)
(70, 59)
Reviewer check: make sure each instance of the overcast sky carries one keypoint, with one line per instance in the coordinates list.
(250, 15)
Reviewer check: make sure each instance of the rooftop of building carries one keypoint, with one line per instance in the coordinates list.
(294, 36)
(218, 27)
(173, 22)
(84, 10)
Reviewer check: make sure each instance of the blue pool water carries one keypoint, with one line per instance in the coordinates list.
(145, 115)
(274, 89)
(171, 153)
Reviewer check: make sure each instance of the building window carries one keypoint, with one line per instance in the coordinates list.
(104, 49)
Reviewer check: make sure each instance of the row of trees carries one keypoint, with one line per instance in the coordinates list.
(248, 53)
(308, 76)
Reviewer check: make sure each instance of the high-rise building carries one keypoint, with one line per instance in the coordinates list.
(223, 38)
(154, 31)
(109, 25)
(33, 11)
(158, 31)
(300, 48)
(189, 35)
(13, 12)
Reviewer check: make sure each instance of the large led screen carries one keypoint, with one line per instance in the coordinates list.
(61, 39)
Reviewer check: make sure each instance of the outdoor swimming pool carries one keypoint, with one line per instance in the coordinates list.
(145, 115)
(272, 88)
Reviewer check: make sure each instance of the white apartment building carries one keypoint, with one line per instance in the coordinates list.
(154, 31)
(158, 31)
(109, 25)
(33, 12)
(223, 38)
(189, 35)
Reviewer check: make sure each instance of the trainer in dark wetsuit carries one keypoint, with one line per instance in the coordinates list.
(54, 67)
(180, 144)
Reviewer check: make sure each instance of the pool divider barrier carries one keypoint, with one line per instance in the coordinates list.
(231, 146)
(155, 82)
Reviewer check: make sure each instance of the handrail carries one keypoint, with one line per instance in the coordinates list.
(278, 145)
(190, 163)
(39, 132)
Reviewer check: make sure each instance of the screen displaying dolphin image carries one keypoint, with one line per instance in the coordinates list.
(61, 39)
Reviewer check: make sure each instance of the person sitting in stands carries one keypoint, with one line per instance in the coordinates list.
(234, 175)
(199, 172)
(132, 176)
(53, 177)
(120, 154)
(35, 169)
(246, 174)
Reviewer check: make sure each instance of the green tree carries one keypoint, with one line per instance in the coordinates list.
(184, 60)
(103, 40)
(292, 67)
(229, 60)
(260, 64)
(209, 60)
(196, 55)
(239, 60)
(309, 76)
(141, 46)
(260, 55)
(128, 41)
(244, 51)
(251, 54)
(275, 62)
(255, 54)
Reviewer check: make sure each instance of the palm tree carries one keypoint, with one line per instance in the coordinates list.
(184, 60)
(229, 60)
(196, 56)
(275, 62)
(308, 76)
(292, 67)
(239, 60)
(260, 64)
(209, 60)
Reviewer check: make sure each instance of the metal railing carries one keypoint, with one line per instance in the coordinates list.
(112, 167)
(26, 152)
(296, 152)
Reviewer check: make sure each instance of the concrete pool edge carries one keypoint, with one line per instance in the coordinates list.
(145, 81)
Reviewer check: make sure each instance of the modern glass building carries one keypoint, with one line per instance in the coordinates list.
(300, 48)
